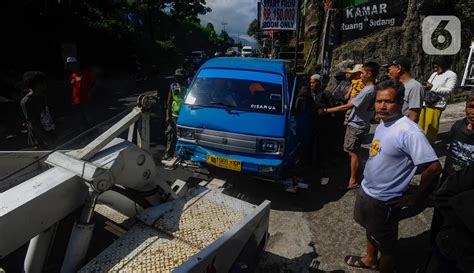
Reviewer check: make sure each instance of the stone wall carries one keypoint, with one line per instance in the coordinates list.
(401, 40)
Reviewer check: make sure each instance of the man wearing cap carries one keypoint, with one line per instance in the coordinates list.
(173, 105)
(356, 82)
(359, 120)
(315, 84)
(82, 82)
(399, 69)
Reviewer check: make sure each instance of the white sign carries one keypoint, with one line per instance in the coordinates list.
(278, 14)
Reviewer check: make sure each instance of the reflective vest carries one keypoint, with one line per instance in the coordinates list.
(178, 94)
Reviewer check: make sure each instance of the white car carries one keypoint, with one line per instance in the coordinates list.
(247, 51)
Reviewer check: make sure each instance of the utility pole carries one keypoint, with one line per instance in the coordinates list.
(223, 23)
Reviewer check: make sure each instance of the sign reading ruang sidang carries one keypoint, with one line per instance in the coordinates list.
(278, 14)
(370, 16)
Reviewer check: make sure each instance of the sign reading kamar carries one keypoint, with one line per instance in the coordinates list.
(278, 14)
(370, 16)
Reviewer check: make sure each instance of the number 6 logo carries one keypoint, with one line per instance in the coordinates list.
(441, 35)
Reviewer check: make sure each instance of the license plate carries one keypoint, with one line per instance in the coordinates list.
(225, 163)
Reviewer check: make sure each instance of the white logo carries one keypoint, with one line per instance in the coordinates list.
(441, 35)
(263, 107)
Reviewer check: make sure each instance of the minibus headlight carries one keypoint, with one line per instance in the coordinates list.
(186, 133)
(270, 146)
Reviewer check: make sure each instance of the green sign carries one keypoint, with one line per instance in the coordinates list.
(356, 2)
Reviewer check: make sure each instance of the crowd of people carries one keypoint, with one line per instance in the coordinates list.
(408, 112)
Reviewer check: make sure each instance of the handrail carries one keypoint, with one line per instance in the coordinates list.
(309, 54)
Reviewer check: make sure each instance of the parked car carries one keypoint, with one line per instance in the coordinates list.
(233, 51)
(247, 51)
(244, 115)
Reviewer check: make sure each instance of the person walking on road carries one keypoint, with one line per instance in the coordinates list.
(399, 69)
(40, 124)
(398, 150)
(173, 105)
(439, 86)
(82, 82)
(358, 126)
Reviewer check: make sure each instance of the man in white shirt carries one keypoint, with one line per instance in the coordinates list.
(399, 69)
(441, 83)
(399, 148)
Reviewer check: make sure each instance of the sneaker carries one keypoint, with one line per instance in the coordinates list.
(324, 181)
(291, 189)
(290, 186)
(166, 159)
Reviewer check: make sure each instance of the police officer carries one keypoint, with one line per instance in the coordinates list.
(173, 105)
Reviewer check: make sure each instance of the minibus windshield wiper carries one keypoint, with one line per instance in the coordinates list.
(223, 104)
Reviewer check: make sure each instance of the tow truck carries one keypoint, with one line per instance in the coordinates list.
(157, 226)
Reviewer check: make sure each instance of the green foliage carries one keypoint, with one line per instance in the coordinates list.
(253, 28)
(99, 17)
(189, 10)
(167, 45)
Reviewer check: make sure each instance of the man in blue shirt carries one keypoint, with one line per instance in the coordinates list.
(399, 148)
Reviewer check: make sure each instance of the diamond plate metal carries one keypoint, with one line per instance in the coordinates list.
(114, 215)
(176, 231)
(142, 249)
(201, 223)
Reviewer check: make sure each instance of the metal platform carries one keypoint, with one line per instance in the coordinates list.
(172, 233)
(115, 216)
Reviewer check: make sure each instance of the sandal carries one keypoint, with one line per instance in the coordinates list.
(356, 261)
(346, 188)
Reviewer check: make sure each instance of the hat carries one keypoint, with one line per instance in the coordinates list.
(316, 77)
(71, 60)
(400, 60)
(357, 68)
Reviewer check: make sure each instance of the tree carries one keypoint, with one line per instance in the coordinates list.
(252, 30)
(189, 10)
(225, 40)
(210, 27)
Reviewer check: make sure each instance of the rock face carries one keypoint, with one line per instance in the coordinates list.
(399, 40)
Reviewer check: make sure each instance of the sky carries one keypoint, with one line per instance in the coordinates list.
(236, 13)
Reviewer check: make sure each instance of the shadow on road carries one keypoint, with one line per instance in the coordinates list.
(413, 252)
(256, 191)
(278, 264)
